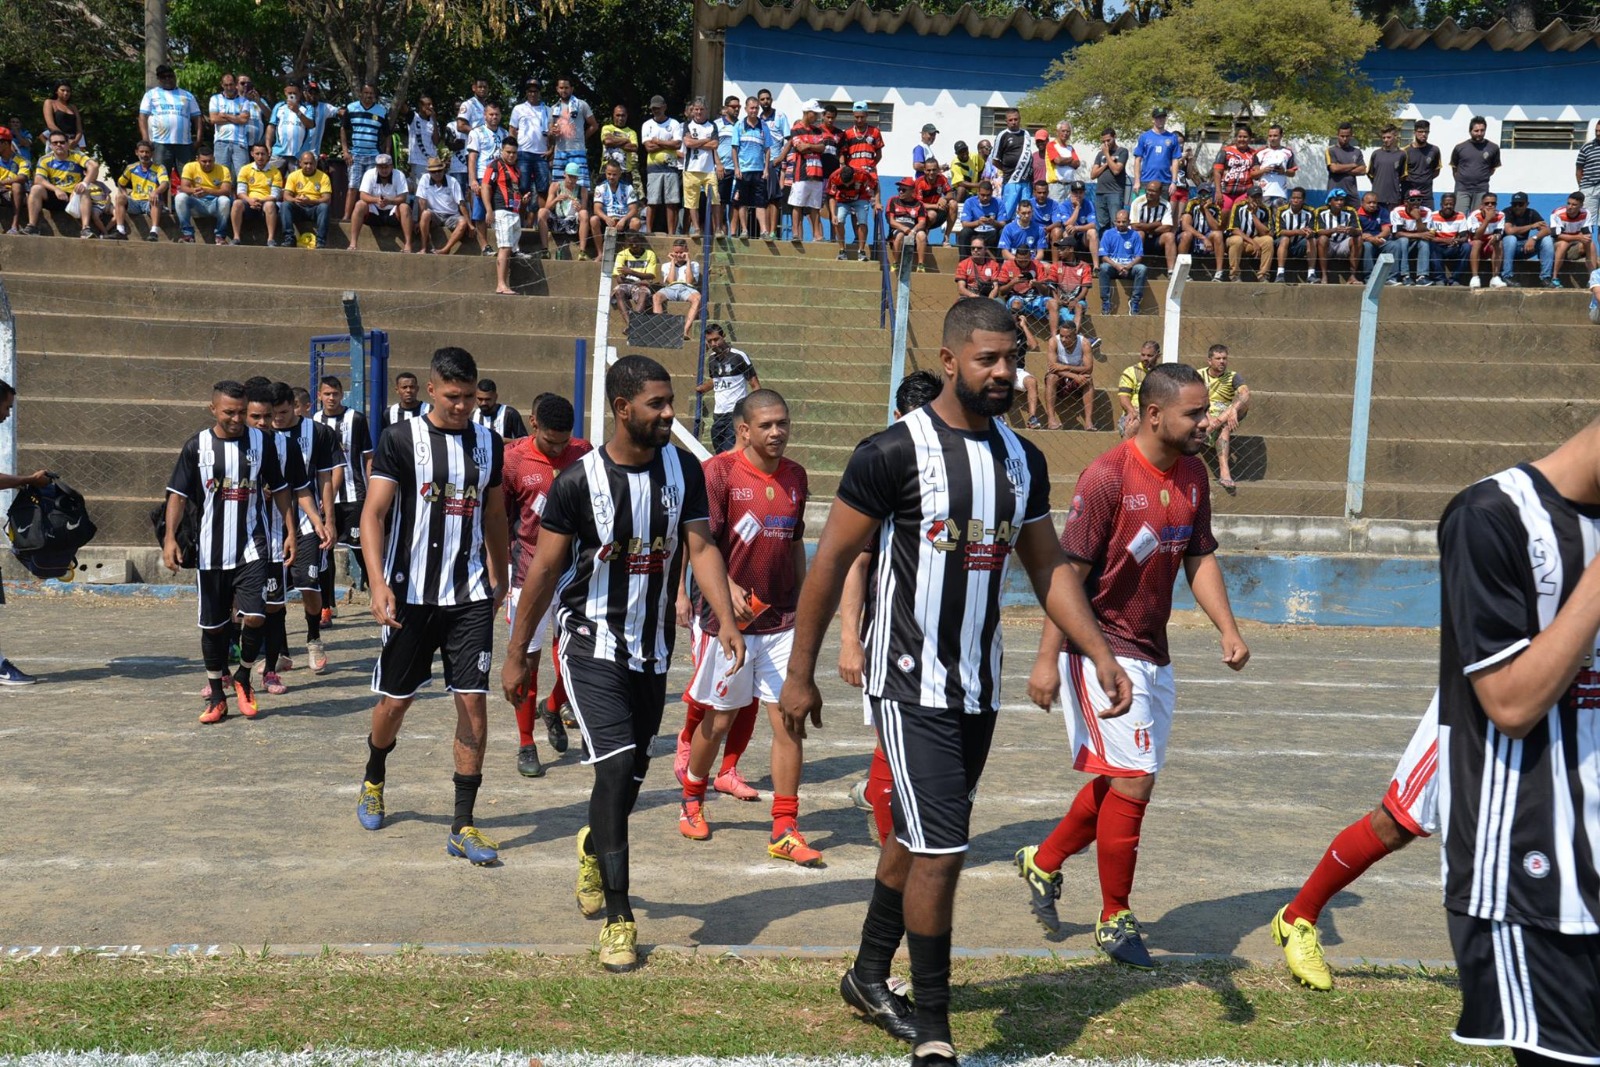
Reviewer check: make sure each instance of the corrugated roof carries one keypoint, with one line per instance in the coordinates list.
(1556, 37)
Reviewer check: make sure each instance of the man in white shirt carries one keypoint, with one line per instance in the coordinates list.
(475, 108)
(422, 139)
(661, 139)
(616, 205)
(1452, 241)
(483, 145)
(230, 116)
(680, 283)
(702, 169)
(169, 118)
(1571, 227)
(439, 197)
(1487, 225)
(530, 122)
(1274, 167)
(383, 197)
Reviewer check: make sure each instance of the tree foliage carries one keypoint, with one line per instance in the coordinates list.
(1297, 62)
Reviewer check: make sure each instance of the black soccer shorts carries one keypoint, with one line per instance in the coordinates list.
(618, 710)
(1527, 987)
(937, 756)
(347, 519)
(463, 633)
(305, 571)
(222, 591)
(275, 587)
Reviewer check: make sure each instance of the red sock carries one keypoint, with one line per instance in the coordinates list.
(785, 812)
(691, 721)
(1117, 847)
(1354, 850)
(880, 786)
(693, 791)
(527, 710)
(1076, 830)
(558, 691)
(739, 735)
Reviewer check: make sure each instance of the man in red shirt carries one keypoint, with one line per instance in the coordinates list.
(933, 192)
(853, 193)
(1140, 514)
(863, 144)
(1234, 170)
(532, 464)
(757, 499)
(979, 273)
(907, 220)
(807, 142)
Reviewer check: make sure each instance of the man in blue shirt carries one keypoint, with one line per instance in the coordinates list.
(1156, 153)
(1079, 226)
(1044, 210)
(1023, 232)
(1121, 256)
(980, 217)
(361, 136)
(753, 143)
(727, 125)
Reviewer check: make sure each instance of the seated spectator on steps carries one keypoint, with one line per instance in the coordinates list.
(61, 182)
(1024, 381)
(616, 206)
(1487, 224)
(1294, 227)
(206, 188)
(1075, 215)
(1374, 223)
(257, 193)
(1410, 241)
(1229, 400)
(965, 173)
(307, 192)
(1044, 211)
(933, 192)
(1151, 215)
(1028, 288)
(1069, 376)
(1202, 230)
(383, 200)
(1527, 236)
(680, 281)
(980, 217)
(979, 273)
(637, 270)
(14, 173)
(145, 183)
(563, 214)
(1121, 256)
(439, 197)
(1570, 228)
(907, 221)
(1074, 277)
(1338, 237)
(1128, 384)
(1249, 228)
(1452, 239)
(1023, 232)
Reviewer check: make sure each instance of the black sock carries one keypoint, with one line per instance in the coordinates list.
(614, 877)
(249, 649)
(378, 761)
(214, 650)
(272, 642)
(325, 581)
(280, 637)
(466, 796)
(930, 984)
(885, 925)
(314, 625)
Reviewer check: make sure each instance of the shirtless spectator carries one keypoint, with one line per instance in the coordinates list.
(1069, 376)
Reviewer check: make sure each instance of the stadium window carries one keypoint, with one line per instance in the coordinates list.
(1564, 136)
(879, 113)
(992, 120)
(1218, 129)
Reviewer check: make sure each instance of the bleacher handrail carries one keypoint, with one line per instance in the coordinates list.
(1171, 327)
(885, 302)
(1361, 404)
(8, 371)
(902, 328)
(602, 333)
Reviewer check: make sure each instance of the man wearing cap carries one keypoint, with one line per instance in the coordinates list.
(1013, 159)
(662, 138)
(384, 195)
(1079, 226)
(1338, 232)
(906, 218)
(863, 142)
(169, 118)
(1527, 236)
(1061, 162)
(965, 172)
(922, 151)
(361, 134)
(1121, 256)
(1423, 162)
(530, 122)
(440, 199)
(1410, 240)
(14, 172)
(502, 202)
(1156, 153)
(483, 150)
(308, 193)
(563, 213)
(807, 142)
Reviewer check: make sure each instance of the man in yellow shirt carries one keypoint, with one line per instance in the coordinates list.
(142, 187)
(259, 189)
(61, 182)
(636, 271)
(1128, 386)
(307, 192)
(1229, 403)
(14, 173)
(620, 145)
(205, 187)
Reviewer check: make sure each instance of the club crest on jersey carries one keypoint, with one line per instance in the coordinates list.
(669, 500)
(772, 494)
(1537, 864)
(602, 508)
(480, 456)
(1166, 498)
(906, 663)
(1016, 469)
(252, 457)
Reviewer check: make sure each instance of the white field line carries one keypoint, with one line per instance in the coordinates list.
(463, 1058)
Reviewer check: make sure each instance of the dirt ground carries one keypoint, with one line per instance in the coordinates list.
(130, 824)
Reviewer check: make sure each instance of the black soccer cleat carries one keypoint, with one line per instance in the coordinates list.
(528, 764)
(1118, 937)
(554, 730)
(880, 1006)
(934, 1054)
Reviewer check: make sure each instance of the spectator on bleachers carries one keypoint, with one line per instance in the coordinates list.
(980, 217)
(1121, 256)
(702, 170)
(781, 127)
(854, 195)
(979, 273)
(296, 125)
(1345, 162)
(987, 169)
(422, 139)
(308, 192)
(727, 124)
(619, 144)
(755, 141)
(634, 274)
(1079, 225)
(1013, 159)
(965, 172)
(1452, 240)
(1527, 236)
(1594, 297)
(1027, 286)
(473, 107)
(807, 141)
(1387, 168)
(144, 182)
(1293, 227)
(258, 188)
(680, 283)
(1233, 169)
(661, 137)
(14, 172)
(1128, 384)
(260, 108)
(440, 197)
(862, 146)
(169, 118)
(908, 221)
(1109, 172)
(1249, 228)
(564, 215)
(1073, 280)
(1156, 154)
(573, 123)
(205, 188)
(1202, 230)
(1186, 174)
(1375, 231)
(1152, 216)
(1061, 161)
(530, 123)
(832, 141)
(1423, 163)
(384, 200)
(1229, 399)
(1572, 229)
(922, 151)
(1275, 166)
(362, 132)
(1044, 211)
(483, 150)
(1338, 238)
(230, 115)
(1068, 376)
(1473, 163)
(62, 116)
(1487, 225)
(1588, 173)
(1023, 231)
(1410, 241)
(933, 192)
(21, 138)
(616, 206)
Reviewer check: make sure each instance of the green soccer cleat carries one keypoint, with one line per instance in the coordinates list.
(1302, 951)
(1044, 888)
(591, 891)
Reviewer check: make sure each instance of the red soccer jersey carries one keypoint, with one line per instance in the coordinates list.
(1233, 168)
(1074, 276)
(976, 275)
(934, 192)
(1134, 525)
(757, 518)
(1036, 274)
(865, 187)
(528, 476)
(863, 148)
(808, 167)
(903, 213)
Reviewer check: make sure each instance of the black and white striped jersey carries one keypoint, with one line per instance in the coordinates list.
(614, 600)
(355, 441)
(506, 421)
(951, 504)
(1521, 818)
(394, 413)
(320, 453)
(436, 553)
(293, 466)
(229, 481)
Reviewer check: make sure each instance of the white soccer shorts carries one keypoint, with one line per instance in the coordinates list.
(1413, 796)
(807, 194)
(536, 642)
(507, 229)
(766, 665)
(1131, 744)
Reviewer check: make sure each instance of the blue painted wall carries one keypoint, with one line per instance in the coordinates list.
(1531, 79)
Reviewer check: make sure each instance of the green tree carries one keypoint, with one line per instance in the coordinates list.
(1301, 66)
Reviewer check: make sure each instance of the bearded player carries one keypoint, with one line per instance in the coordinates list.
(1140, 514)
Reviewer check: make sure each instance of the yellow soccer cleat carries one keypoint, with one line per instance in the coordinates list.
(619, 946)
(591, 892)
(1302, 950)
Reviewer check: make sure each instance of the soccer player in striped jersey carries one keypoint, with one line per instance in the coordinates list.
(437, 578)
(350, 482)
(323, 458)
(615, 528)
(503, 419)
(1519, 800)
(1140, 514)
(228, 473)
(950, 493)
(532, 464)
(408, 406)
(757, 498)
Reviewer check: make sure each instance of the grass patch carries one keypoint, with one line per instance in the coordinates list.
(704, 1005)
